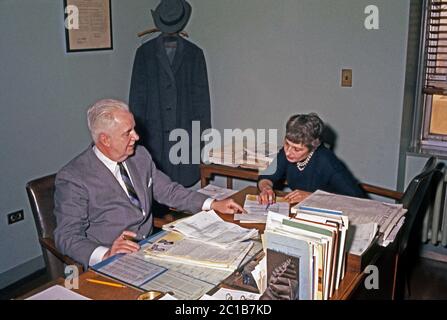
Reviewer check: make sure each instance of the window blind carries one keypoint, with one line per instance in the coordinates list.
(436, 48)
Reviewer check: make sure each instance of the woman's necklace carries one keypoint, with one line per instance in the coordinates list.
(301, 165)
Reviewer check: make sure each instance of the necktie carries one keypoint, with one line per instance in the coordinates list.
(130, 189)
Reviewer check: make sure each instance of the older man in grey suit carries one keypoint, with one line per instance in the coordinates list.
(104, 195)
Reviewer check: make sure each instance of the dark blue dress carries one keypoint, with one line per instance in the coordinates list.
(324, 171)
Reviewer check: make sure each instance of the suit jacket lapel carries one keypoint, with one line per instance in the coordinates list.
(104, 173)
(179, 54)
(138, 184)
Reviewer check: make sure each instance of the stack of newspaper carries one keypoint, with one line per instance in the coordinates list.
(246, 155)
(305, 255)
(204, 239)
(367, 216)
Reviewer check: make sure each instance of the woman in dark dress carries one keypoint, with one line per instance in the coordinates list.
(306, 164)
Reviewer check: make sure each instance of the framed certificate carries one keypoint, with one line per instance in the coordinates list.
(88, 25)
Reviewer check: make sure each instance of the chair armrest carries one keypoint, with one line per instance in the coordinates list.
(48, 244)
(392, 194)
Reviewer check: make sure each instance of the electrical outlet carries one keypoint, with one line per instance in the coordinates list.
(346, 77)
(15, 217)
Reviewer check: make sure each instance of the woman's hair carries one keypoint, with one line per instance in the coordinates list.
(305, 129)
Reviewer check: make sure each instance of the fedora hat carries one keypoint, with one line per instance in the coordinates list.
(171, 16)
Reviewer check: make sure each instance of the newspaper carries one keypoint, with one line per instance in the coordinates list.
(257, 213)
(360, 211)
(207, 226)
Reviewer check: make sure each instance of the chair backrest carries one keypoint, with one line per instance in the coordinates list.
(41, 194)
(417, 197)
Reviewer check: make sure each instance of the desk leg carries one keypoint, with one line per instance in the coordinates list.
(204, 177)
(229, 183)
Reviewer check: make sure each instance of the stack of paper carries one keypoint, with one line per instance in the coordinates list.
(259, 157)
(388, 217)
(175, 247)
(217, 192)
(207, 226)
(305, 256)
(243, 153)
(257, 213)
(204, 239)
(57, 292)
(231, 155)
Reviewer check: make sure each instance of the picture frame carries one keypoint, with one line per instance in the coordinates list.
(88, 25)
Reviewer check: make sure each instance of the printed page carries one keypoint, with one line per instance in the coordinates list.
(207, 226)
(216, 192)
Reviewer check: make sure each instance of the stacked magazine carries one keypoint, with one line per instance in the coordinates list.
(305, 255)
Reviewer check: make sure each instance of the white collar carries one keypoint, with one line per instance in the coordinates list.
(109, 163)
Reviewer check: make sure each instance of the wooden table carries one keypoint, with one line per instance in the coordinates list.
(348, 287)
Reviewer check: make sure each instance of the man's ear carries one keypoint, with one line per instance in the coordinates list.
(104, 139)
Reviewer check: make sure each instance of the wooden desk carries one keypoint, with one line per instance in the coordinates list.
(207, 171)
(350, 286)
(92, 290)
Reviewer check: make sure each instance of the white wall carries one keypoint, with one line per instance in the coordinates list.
(266, 61)
(44, 93)
(270, 59)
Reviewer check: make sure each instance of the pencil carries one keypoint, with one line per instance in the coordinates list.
(106, 283)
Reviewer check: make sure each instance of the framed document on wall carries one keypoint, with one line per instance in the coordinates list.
(88, 25)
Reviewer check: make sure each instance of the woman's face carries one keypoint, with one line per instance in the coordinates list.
(295, 151)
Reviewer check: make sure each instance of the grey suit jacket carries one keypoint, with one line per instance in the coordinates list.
(92, 209)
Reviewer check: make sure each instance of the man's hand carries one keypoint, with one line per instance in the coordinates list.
(267, 196)
(121, 245)
(296, 196)
(226, 206)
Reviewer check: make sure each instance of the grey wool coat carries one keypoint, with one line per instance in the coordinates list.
(164, 97)
(92, 209)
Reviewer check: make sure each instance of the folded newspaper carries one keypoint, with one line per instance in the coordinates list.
(207, 226)
(388, 217)
(176, 247)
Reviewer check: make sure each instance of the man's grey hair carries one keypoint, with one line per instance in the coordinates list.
(100, 116)
(305, 129)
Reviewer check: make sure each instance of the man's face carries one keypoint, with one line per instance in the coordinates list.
(122, 136)
(295, 151)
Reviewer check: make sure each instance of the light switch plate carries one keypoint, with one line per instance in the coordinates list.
(346, 77)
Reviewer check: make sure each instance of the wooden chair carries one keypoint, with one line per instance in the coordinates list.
(40, 194)
(415, 199)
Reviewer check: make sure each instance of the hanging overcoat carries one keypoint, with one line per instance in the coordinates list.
(164, 97)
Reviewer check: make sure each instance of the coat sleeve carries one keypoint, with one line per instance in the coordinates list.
(71, 211)
(139, 90)
(173, 194)
(201, 93)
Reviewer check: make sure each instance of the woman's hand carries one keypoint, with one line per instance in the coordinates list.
(296, 196)
(267, 196)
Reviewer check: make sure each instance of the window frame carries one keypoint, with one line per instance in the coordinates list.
(424, 95)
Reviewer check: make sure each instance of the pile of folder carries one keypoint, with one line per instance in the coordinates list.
(306, 255)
